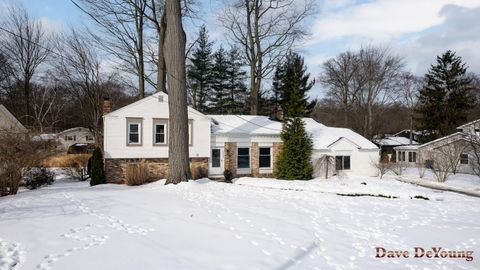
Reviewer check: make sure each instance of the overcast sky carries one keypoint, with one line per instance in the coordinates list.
(417, 30)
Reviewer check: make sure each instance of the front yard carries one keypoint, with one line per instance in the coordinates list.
(251, 224)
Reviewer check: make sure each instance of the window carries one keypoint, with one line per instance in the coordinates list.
(342, 163)
(216, 158)
(412, 157)
(265, 159)
(463, 159)
(243, 158)
(160, 133)
(134, 132)
(70, 138)
(401, 156)
(89, 138)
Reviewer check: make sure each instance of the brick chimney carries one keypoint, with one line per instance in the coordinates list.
(107, 105)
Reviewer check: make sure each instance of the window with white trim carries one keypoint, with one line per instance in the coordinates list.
(265, 158)
(134, 132)
(342, 163)
(243, 158)
(89, 138)
(160, 133)
(70, 137)
(412, 157)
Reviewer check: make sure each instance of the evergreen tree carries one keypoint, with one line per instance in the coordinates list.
(97, 171)
(238, 96)
(292, 83)
(220, 96)
(199, 72)
(447, 97)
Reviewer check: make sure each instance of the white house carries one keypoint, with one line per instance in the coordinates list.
(9, 123)
(75, 136)
(459, 144)
(242, 144)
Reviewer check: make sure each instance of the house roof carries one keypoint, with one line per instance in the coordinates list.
(7, 120)
(454, 137)
(251, 125)
(75, 129)
(394, 141)
(469, 124)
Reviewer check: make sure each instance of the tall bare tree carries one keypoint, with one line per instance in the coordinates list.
(47, 106)
(380, 71)
(80, 69)
(120, 33)
(27, 44)
(265, 30)
(174, 46)
(342, 78)
(409, 86)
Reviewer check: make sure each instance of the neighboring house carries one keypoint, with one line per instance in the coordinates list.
(75, 137)
(245, 145)
(8, 122)
(388, 144)
(457, 144)
(416, 135)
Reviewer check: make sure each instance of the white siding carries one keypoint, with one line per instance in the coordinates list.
(361, 160)
(148, 109)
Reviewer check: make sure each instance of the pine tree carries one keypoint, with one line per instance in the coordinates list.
(447, 97)
(219, 97)
(199, 72)
(238, 96)
(292, 82)
(97, 171)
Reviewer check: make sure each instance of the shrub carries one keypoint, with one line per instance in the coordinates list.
(37, 177)
(18, 153)
(398, 167)
(75, 166)
(137, 173)
(228, 175)
(97, 176)
(421, 169)
(198, 171)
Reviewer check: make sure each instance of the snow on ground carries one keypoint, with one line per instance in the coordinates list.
(459, 180)
(251, 224)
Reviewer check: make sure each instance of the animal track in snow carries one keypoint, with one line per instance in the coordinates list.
(11, 255)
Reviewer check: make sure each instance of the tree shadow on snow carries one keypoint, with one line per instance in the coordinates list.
(299, 256)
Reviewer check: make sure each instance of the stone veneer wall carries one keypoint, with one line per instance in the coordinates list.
(230, 158)
(115, 169)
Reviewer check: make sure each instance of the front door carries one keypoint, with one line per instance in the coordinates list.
(216, 161)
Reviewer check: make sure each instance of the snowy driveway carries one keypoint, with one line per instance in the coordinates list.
(252, 224)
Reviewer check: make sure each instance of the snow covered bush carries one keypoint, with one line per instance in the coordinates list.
(325, 166)
(97, 176)
(137, 173)
(37, 177)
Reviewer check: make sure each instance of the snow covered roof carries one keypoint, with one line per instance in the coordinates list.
(322, 136)
(8, 121)
(45, 137)
(394, 141)
(469, 124)
(75, 129)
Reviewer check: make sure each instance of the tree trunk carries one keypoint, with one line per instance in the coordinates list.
(141, 62)
(254, 91)
(411, 128)
(178, 161)
(26, 93)
(161, 74)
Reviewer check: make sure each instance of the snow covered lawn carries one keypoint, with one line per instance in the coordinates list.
(251, 224)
